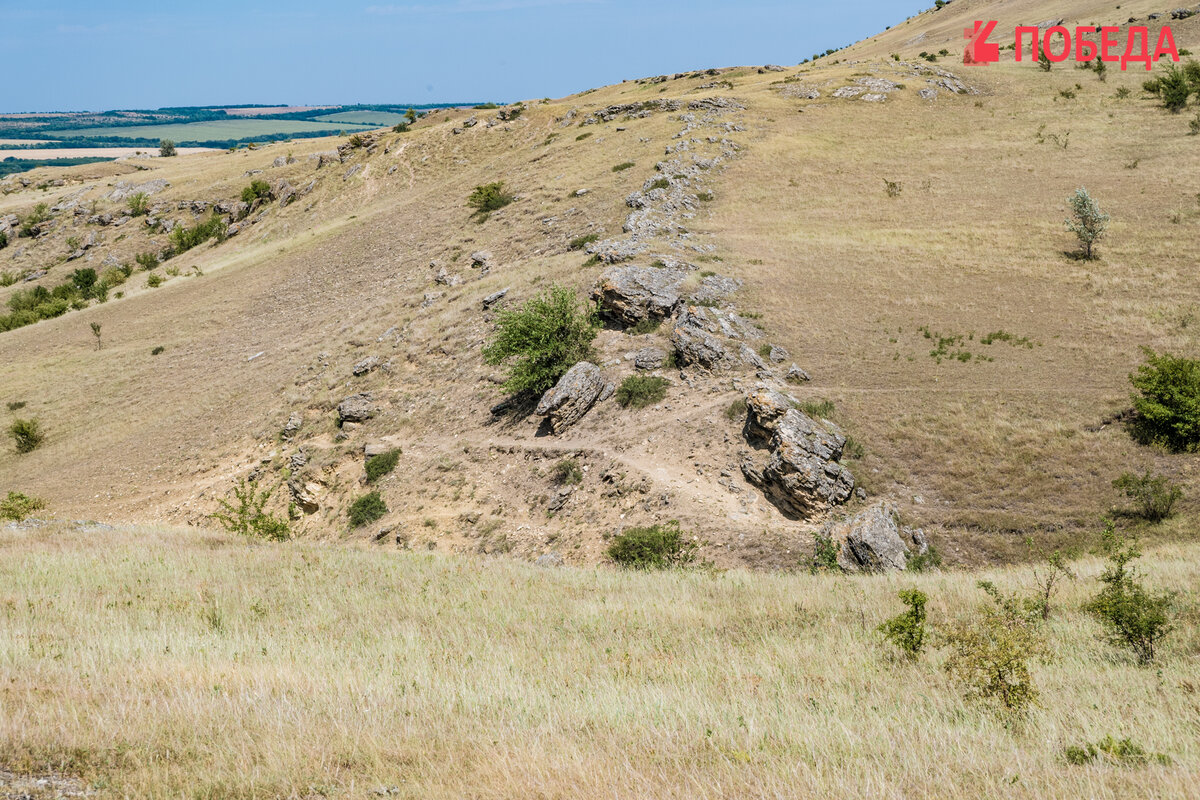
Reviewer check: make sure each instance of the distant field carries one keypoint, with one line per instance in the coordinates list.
(99, 152)
(19, 142)
(364, 117)
(258, 112)
(214, 131)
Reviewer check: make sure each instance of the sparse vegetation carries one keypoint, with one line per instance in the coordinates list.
(185, 238)
(736, 410)
(166, 148)
(147, 261)
(139, 204)
(27, 434)
(580, 242)
(660, 546)
(624, 165)
(1154, 496)
(17, 506)
(1167, 402)
(1120, 752)
(488, 198)
(367, 509)
(246, 514)
(542, 340)
(639, 391)
(382, 464)
(257, 190)
(567, 472)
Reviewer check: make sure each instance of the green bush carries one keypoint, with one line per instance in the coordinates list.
(488, 198)
(1168, 406)
(736, 410)
(1088, 222)
(147, 261)
(27, 434)
(907, 631)
(659, 183)
(40, 213)
(928, 561)
(367, 508)
(379, 465)
(184, 239)
(1125, 752)
(990, 653)
(154, 280)
(542, 340)
(1154, 495)
(1173, 89)
(639, 391)
(567, 472)
(246, 515)
(139, 204)
(18, 506)
(166, 148)
(4, 244)
(825, 553)
(580, 242)
(84, 280)
(656, 547)
(256, 190)
(157, 350)
(1135, 617)
(623, 166)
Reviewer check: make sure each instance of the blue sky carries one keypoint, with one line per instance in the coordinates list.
(91, 55)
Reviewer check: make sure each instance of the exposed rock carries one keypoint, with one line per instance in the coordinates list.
(368, 364)
(696, 346)
(429, 298)
(797, 375)
(285, 193)
(494, 297)
(297, 460)
(482, 259)
(849, 91)
(574, 394)
(446, 279)
(559, 499)
(356, 408)
(777, 355)
(350, 173)
(873, 541)
(125, 189)
(650, 358)
(714, 288)
(305, 495)
(800, 92)
(632, 294)
(928, 93)
(802, 474)
(550, 560)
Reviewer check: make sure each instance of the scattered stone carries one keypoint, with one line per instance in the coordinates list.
(368, 364)
(650, 358)
(294, 423)
(715, 288)
(429, 298)
(125, 189)
(559, 499)
(494, 297)
(356, 408)
(550, 560)
(350, 173)
(305, 495)
(482, 259)
(777, 355)
(928, 93)
(298, 460)
(572, 397)
(797, 375)
(446, 279)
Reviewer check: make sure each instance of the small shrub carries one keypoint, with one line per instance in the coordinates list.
(15, 405)
(1168, 403)
(542, 340)
(825, 553)
(658, 183)
(644, 326)
(657, 547)
(84, 280)
(1088, 222)
(245, 515)
(4, 244)
(853, 449)
(157, 350)
(818, 409)
(1122, 752)
(567, 472)
(736, 410)
(18, 506)
(379, 465)
(623, 166)
(990, 653)
(580, 242)
(147, 261)
(907, 631)
(256, 190)
(27, 434)
(892, 188)
(928, 561)
(1048, 572)
(184, 239)
(154, 280)
(488, 198)
(166, 148)
(1193, 130)
(1173, 89)
(1135, 617)
(583, 136)
(1123, 92)
(1154, 495)
(1044, 62)
(367, 508)
(139, 204)
(639, 391)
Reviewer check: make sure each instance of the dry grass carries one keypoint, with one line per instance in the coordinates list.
(167, 663)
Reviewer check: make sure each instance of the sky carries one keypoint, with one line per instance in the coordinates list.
(74, 55)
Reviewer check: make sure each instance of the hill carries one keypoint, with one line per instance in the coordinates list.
(895, 226)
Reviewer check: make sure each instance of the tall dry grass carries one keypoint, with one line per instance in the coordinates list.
(168, 663)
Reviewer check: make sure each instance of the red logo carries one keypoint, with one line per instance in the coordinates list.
(1055, 44)
(979, 50)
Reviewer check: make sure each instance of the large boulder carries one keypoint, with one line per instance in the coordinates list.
(801, 471)
(874, 541)
(631, 294)
(356, 408)
(573, 396)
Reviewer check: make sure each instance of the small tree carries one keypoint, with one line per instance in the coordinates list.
(1044, 61)
(1135, 616)
(96, 333)
(1154, 495)
(246, 515)
(166, 148)
(1089, 223)
(18, 506)
(1168, 402)
(27, 434)
(367, 508)
(1173, 88)
(411, 116)
(542, 340)
(907, 630)
(1052, 570)
(139, 204)
(991, 653)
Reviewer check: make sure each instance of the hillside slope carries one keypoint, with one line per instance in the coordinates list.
(780, 184)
